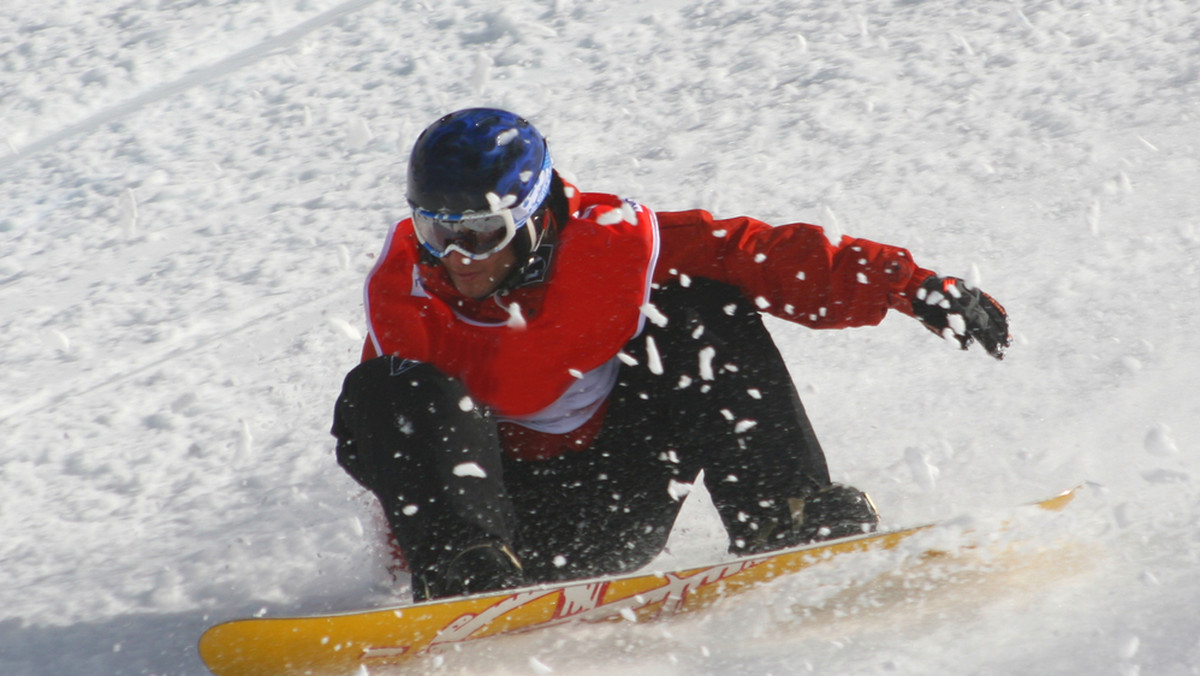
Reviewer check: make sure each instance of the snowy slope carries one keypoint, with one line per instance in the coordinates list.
(192, 192)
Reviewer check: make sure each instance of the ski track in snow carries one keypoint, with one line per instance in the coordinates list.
(192, 194)
(192, 79)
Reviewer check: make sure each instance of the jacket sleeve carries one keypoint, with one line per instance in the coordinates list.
(792, 271)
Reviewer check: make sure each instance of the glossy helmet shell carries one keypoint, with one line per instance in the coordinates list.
(458, 160)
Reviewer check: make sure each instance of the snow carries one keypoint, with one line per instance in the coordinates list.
(471, 469)
(192, 193)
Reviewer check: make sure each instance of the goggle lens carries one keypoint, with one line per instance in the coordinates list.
(475, 236)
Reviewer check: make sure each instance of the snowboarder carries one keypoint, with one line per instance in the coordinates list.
(546, 368)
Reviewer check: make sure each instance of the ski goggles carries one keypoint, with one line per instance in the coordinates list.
(474, 235)
(479, 234)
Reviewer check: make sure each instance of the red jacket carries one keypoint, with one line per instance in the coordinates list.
(521, 361)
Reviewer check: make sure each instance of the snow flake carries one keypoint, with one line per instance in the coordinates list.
(762, 303)
(862, 278)
(653, 314)
(760, 257)
(628, 213)
(405, 425)
(974, 277)
(957, 324)
(465, 404)
(744, 426)
(833, 228)
(627, 359)
(346, 328)
(754, 393)
(496, 202)
(720, 233)
(359, 134)
(410, 510)
(559, 560)
(575, 373)
(654, 361)
(801, 276)
(706, 358)
(471, 469)
(516, 320)
(678, 490)
(610, 217)
(730, 309)
(507, 136)
(685, 281)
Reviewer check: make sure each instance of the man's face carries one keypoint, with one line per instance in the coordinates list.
(479, 278)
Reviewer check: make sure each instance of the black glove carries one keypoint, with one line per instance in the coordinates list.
(951, 309)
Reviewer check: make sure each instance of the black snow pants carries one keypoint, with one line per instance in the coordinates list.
(709, 391)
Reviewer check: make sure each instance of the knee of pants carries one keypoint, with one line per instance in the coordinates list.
(388, 403)
(389, 386)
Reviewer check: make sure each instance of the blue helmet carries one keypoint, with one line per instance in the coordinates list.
(475, 159)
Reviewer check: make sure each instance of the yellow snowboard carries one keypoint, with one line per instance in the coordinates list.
(342, 643)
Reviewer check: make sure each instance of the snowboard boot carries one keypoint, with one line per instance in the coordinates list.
(484, 567)
(831, 512)
(835, 511)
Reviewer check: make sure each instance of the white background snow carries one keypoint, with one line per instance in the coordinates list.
(192, 192)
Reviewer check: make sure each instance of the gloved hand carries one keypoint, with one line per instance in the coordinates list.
(952, 309)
